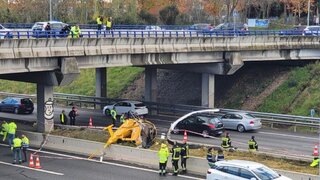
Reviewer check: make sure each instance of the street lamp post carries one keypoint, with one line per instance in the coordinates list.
(50, 10)
(308, 18)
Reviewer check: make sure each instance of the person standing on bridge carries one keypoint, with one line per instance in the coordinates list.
(12, 127)
(253, 145)
(63, 118)
(25, 146)
(109, 24)
(72, 115)
(99, 23)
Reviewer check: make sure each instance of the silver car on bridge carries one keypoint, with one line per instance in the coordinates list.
(241, 121)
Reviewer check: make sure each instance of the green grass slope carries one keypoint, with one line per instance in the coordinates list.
(298, 94)
(117, 80)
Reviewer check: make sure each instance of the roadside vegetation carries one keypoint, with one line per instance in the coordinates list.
(118, 79)
(298, 94)
(276, 163)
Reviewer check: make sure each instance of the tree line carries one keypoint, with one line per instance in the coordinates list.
(157, 11)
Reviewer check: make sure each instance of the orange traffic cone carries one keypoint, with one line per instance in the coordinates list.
(316, 150)
(31, 163)
(37, 163)
(90, 122)
(185, 136)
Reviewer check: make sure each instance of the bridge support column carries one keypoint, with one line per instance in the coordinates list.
(207, 90)
(45, 108)
(150, 91)
(101, 84)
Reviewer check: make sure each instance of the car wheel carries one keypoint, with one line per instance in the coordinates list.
(107, 112)
(205, 133)
(240, 128)
(16, 111)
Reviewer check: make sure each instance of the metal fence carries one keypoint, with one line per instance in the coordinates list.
(177, 110)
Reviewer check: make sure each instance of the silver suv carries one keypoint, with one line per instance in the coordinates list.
(57, 29)
(5, 33)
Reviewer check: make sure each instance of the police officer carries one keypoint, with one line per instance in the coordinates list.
(123, 118)
(210, 157)
(109, 24)
(226, 141)
(315, 162)
(16, 148)
(25, 146)
(175, 158)
(75, 32)
(99, 22)
(12, 127)
(163, 155)
(184, 156)
(253, 145)
(113, 114)
(63, 118)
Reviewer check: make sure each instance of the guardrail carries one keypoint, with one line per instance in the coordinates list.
(29, 34)
(178, 110)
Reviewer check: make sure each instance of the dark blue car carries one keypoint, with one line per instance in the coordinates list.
(17, 105)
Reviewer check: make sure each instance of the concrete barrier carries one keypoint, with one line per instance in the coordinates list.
(132, 155)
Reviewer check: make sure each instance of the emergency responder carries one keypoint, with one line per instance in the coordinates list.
(109, 24)
(4, 130)
(123, 118)
(63, 118)
(226, 141)
(25, 146)
(75, 32)
(315, 162)
(72, 115)
(220, 155)
(253, 145)
(210, 157)
(16, 148)
(12, 127)
(184, 156)
(175, 158)
(99, 22)
(163, 155)
(113, 114)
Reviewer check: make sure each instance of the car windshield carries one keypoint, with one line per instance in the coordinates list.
(250, 115)
(265, 173)
(214, 121)
(38, 25)
(139, 105)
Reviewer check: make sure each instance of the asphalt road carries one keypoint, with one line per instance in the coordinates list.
(273, 141)
(56, 166)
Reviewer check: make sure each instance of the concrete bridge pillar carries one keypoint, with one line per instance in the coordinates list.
(207, 90)
(101, 84)
(45, 108)
(150, 91)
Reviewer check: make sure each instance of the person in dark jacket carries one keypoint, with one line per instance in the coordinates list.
(184, 156)
(72, 116)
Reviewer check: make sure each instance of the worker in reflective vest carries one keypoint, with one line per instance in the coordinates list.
(12, 127)
(122, 118)
(184, 156)
(315, 162)
(25, 146)
(113, 114)
(163, 155)
(175, 158)
(226, 141)
(16, 148)
(99, 22)
(4, 129)
(253, 145)
(109, 24)
(75, 32)
(63, 118)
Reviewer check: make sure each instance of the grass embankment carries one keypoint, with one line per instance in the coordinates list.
(117, 80)
(298, 94)
(276, 163)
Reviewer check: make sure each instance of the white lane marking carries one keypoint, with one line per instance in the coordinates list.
(25, 167)
(288, 135)
(109, 163)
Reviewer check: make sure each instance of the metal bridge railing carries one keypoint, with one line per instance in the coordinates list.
(177, 110)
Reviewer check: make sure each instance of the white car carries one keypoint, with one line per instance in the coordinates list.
(121, 107)
(5, 33)
(242, 170)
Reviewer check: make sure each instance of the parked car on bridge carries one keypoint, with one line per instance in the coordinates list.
(153, 28)
(136, 107)
(242, 170)
(5, 33)
(232, 26)
(297, 30)
(58, 29)
(311, 31)
(17, 105)
(201, 27)
(241, 121)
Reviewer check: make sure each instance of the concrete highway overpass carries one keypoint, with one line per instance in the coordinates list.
(53, 62)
